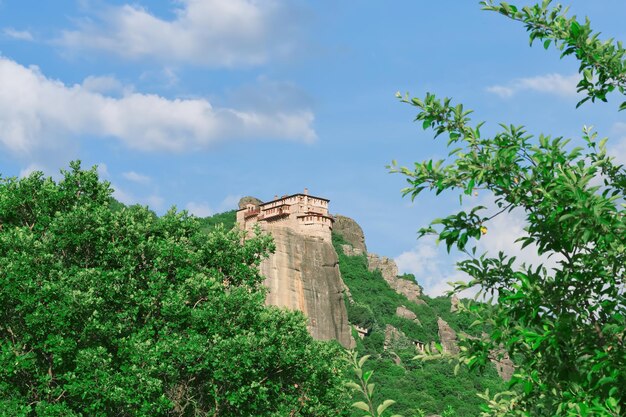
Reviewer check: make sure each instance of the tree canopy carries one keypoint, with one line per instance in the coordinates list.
(116, 311)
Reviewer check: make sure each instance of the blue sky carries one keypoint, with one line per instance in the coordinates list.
(195, 103)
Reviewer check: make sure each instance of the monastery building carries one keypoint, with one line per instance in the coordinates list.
(304, 213)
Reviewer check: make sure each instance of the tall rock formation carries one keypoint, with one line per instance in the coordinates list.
(303, 273)
(244, 201)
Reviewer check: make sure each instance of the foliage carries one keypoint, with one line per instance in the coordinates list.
(361, 314)
(366, 388)
(564, 325)
(408, 277)
(120, 312)
(226, 219)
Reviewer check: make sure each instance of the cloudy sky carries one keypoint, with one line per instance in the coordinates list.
(195, 103)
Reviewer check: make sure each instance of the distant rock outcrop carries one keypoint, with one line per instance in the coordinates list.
(389, 271)
(348, 250)
(454, 304)
(447, 337)
(392, 335)
(404, 312)
(244, 201)
(386, 266)
(351, 232)
(504, 364)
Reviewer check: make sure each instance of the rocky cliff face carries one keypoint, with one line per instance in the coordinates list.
(353, 234)
(447, 337)
(303, 275)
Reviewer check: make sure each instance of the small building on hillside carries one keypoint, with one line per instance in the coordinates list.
(304, 213)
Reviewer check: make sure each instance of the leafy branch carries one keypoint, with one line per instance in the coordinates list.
(602, 63)
(365, 388)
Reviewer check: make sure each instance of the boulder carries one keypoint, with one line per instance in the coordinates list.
(392, 335)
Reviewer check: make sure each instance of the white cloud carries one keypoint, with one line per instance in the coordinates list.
(557, 84)
(619, 149)
(105, 84)
(204, 209)
(164, 78)
(433, 267)
(222, 33)
(103, 170)
(22, 35)
(36, 110)
(201, 209)
(136, 177)
(153, 201)
(230, 202)
(503, 231)
(30, 169)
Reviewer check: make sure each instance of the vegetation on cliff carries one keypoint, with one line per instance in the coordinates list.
(429, 387)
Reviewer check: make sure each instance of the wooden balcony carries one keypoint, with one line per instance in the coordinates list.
(251, 213)
(275, 213)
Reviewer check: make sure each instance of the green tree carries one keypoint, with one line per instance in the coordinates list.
(114, 311)
(564, 326)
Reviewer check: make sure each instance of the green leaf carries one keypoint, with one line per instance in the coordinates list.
(385, 405)
(361, 406)
(574, 29)
(354, 385)
(363, 360)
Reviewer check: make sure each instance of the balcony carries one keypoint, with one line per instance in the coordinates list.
(275, 213)
(251, 213)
